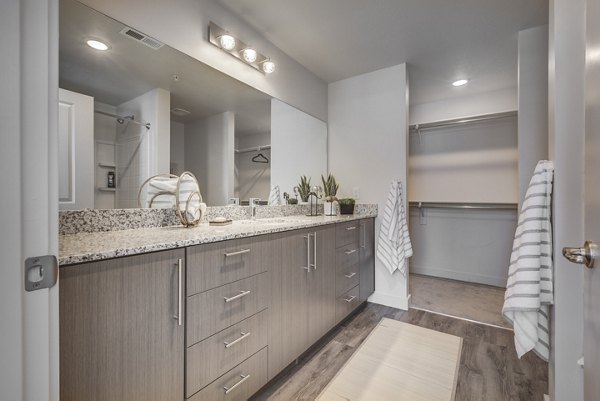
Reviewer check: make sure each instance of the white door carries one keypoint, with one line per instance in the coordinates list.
(28, 197)
(75, 150)
(591, 349)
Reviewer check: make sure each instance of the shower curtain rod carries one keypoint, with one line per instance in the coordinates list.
(459, 121)
(121, 119)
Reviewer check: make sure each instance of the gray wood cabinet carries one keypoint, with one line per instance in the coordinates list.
(118, 338)
(321, 285)
(367, 258)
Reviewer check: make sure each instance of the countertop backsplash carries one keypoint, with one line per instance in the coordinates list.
(103, 220)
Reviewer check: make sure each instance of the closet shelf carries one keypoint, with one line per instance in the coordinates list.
(415, 128)
(463, 205)
(105, 189)
(106, 165)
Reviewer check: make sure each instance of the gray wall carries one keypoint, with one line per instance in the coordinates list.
(566, 144)
(252, 179)
(533, 102)
(177, 148)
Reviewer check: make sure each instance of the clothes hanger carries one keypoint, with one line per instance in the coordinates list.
(260, 158)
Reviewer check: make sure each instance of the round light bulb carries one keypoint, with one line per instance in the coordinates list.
(460, 82)
(95, 44)
(268, 67)
(249, 55)
(227, 42)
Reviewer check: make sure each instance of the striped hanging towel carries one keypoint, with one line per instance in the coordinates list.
(394, 247)
(275, 196)
(529, 288)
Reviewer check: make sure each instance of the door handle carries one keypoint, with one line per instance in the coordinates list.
(308, 264)
(584, 256)
(179, 315)
(314, 265)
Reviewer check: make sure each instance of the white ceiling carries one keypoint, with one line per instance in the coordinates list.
(122, 73)
(441, 40)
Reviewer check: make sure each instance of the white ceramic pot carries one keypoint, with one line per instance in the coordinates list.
(330, 208)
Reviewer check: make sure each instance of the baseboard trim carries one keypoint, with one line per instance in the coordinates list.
(460, 276)
(393, 301)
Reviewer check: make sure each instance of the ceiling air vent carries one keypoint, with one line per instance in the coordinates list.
(140, 37)
(180, 112)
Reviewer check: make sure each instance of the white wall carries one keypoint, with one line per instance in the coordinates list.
(29, 162)
(533, 102)
(298, 147)
(291, 82)
(475, 162)
(209, 147)
(252, 179)
(142, 153)
(499, 101)
(368, 123)
(566, 143)
(105, 132)
(177, 148)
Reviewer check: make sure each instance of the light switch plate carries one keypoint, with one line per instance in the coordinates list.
(356, 193)
(40, 272)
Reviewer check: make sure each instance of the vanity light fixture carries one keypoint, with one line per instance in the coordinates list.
(249, 54)
(96, 44)
(268, 66)
(460, 82)
(227, 42)
(238, 49)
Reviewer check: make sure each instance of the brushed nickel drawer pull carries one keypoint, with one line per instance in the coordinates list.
(350, 275)
(238, 296)
(237, 340)
(179, 315)
(350, 252)
(230, 389)
(350, 228)
(240, 252)
(350, 299)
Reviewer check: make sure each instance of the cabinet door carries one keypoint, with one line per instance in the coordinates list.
(367, 258)
(321, 284)
(294, 298)
(118, 336)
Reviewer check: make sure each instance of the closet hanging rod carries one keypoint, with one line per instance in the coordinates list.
(463, 205)
(254, 149)
(121, 119)
(460, 121)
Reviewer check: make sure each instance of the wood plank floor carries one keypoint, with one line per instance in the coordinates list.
(489, 368)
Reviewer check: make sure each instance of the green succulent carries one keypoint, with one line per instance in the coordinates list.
(330, 188)
(304, 188)
(347, 201)
(292, 201)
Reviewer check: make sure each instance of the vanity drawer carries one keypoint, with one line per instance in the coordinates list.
(346, 278)
(212, 265)
(346, 304)
(212, 311)
(346, 233)
(240, 383)
(347, 255)
(221, 352)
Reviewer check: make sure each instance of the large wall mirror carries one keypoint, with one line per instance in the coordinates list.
(141, 108)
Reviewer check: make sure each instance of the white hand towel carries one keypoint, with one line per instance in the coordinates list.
(394, 246)
(275, 196)
(529, 289)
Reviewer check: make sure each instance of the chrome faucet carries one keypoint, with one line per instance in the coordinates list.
(253, 203)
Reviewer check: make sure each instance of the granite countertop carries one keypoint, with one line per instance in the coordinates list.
(87, 247)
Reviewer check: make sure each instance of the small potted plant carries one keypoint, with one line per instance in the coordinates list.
(346, 205)
(303, 189)
(330, 188)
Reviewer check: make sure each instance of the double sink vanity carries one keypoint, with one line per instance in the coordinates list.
(207, 313)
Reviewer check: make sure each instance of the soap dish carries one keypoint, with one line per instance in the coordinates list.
(220, 223)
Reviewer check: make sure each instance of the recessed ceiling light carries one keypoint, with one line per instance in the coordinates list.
(460, 82)
(96, 44)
